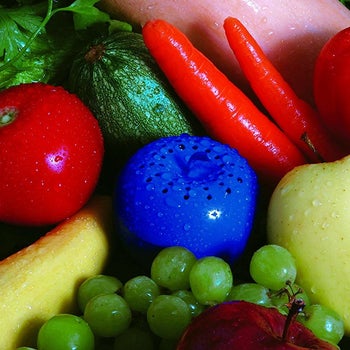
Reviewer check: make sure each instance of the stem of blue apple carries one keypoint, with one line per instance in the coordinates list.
(199, 166)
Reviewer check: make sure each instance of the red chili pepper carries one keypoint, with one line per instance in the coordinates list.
(227, 114)
(299, 121)
(331, 85)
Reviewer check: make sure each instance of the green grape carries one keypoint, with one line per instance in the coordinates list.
(211, 280)
(171, 268)
(139, 292)
(194, 305)
(25, 348)
(168, 316)
(65, 332)
(135, 338)
(95, 285)
(279, 299)
(272, 266)
(251, 292)
(108, 315)
(325, 323)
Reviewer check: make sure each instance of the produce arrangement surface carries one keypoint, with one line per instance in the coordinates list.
(174, 175)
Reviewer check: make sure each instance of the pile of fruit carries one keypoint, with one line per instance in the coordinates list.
(153, 311)
(163, 207)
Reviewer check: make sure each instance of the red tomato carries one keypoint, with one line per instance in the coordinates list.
(331, 85)
(51, 151)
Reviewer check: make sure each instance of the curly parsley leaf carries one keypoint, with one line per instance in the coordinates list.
(16, 27)
(85, 14)
(40, 38)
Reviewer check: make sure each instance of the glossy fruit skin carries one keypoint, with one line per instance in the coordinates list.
(331, 84)
(50, 155)
(118, 79)
(65, 332)
(244, 325)
(308, 215)
(188, 191)
(46, 274)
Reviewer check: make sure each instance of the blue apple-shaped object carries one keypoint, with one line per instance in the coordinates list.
(188, 191)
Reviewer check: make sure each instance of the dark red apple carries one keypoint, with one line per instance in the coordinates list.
(243, 325)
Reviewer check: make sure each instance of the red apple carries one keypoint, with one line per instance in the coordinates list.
(248, 326)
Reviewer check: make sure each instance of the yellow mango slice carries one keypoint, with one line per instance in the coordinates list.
(41, 280)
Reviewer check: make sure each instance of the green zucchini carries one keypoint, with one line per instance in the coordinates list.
(117, 78)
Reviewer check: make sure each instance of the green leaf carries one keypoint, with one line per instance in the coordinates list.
(16, 26)
(89, 16)
(34, 46)
(85, 14)
(346, 3)
(83, 3)
(28, 19)
(115, 26)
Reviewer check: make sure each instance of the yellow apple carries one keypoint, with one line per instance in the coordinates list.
(309, 214)
(41, 280)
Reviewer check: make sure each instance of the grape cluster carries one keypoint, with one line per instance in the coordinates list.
(151, 312)
(273, 268)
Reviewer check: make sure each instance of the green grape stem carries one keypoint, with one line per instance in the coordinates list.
(295, 306)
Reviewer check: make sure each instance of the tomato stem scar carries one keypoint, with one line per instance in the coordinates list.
(7, 115)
